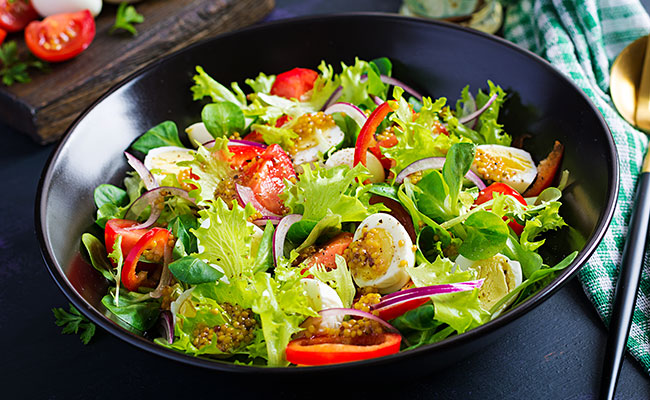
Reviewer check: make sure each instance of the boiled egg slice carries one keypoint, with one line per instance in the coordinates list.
(164, 160)
(51, 7)
(321, 297)
(198, 134)
(317, 133)
(380, 253)
(502, 275)
(346, 157)
(512, 166)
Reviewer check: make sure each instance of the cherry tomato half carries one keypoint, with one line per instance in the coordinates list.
(499, 187)
(265, 176)
(294, 83)
(16, 15)
(60, 37)
(115, 227)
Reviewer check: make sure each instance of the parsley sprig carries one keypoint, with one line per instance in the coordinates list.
(74, 322)
(125, 18)
(12, 68)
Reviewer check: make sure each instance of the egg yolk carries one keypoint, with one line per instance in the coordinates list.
(370, 256)
(496, 168)
(499, 280)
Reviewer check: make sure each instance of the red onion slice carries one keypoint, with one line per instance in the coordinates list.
(424, 292)
(333, 312)
(336, 94)
(245, 195)
(236, 142)
(146, 175)
(166, 325)
(377, 100)
(434, 163)
(350, 110)
(280, 235)
(464, 120)
(395, 82)
(152, 198)
(166, 275)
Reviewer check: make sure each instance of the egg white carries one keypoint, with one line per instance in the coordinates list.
(489, 293)
(346, 157)
(321, 297)
(198, 134)
(165, 159)
(396, 275)
(519, 178)
(51, 7)
(325, 140)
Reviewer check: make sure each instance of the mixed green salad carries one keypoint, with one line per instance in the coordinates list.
(324, 217)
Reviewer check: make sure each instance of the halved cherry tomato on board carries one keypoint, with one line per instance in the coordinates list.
(499, 187)
(265, 175)
(294, 83)
(152, 241)
(60, 37)
(3, 35)
(15, 15)
(321, 351)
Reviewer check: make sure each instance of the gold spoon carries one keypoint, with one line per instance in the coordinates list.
(629, 87)
(630, 90)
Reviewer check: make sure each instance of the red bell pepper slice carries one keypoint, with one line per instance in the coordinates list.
(366, 139)
(322, 351)
(131, 279)
(500, 187)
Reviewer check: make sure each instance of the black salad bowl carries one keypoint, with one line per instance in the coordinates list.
(438, 59)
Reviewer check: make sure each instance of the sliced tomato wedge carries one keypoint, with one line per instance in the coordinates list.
(15, 15)
(392, 312)
(60, 37)
(322, 351)
(546, 170)
(265, 176)
(115, 227)
(243, 154)
(326, 255)
(294, 83)
(152, 241)
(500, 187)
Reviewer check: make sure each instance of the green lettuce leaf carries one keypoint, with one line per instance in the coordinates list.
(223, 119)
(262, 83)
(212, 167)
(163, 134)
(206, 86)
(321, 191)
(462, 310)
(224, 238)
(339, 279)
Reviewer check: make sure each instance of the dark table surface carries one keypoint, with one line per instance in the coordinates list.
(554, 352)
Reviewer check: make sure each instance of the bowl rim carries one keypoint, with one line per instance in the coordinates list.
(489, 327)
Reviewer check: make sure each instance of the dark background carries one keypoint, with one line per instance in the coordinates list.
(554, 352)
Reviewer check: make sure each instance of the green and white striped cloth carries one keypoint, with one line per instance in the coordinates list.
(581, 38)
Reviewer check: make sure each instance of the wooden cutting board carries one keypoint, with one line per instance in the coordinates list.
(46, 106)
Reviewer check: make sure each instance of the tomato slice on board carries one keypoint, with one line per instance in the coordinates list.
(500, 187)
(152, 241)
(60, 37)
(14, 16)
(265, 176)
(115, 227)
(294, 83)
(319, 351)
